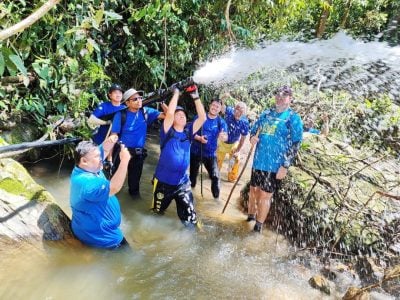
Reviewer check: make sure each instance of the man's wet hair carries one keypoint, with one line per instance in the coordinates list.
(82, 149)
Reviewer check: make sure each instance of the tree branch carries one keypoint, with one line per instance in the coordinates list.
(21, 26)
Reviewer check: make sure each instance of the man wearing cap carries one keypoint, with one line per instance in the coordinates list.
(277, 135)
(204, 147)
(131, 126)
(171, 180)
(103, 114)
(238, 128)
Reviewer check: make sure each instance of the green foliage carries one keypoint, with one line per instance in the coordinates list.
(77, 49)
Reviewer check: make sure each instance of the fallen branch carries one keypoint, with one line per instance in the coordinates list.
(388, 195)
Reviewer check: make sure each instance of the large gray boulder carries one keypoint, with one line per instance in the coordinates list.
(27, 210)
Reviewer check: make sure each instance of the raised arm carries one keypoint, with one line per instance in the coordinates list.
(170, 113)
(201, 113)
(118, 179)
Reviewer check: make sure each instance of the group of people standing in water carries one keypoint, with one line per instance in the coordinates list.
(120, 140)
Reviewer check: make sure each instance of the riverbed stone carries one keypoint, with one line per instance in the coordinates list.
(27, 210)
(321, 283)
(354, 293)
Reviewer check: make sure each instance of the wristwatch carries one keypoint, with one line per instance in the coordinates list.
(286, 164)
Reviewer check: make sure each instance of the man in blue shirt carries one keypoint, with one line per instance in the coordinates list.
(131, 127)
(96, 214)
(103, 114)
(204, 147)
(171, 181)
(238, 128)
(277, 133)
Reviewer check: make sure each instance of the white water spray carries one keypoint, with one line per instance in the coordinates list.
(339, 63)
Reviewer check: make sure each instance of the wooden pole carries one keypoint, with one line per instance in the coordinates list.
(241, 173)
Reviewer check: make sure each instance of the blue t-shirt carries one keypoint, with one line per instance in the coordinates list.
(175, 156)
(278, 132)
(211, 128)
(236, 128)
(103, 110)
(95, 216)
(133, 132)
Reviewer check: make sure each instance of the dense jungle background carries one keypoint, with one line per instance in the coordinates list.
(62, 64)
(341, 198)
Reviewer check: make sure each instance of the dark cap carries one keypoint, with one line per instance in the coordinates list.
(284, 90)
(115, 87)
(178, 108)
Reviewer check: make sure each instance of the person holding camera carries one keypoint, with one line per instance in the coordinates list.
(96, 214)
(204, 147)
(131, 127)
(171, 181)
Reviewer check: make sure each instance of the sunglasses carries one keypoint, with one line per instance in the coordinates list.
(135, 99)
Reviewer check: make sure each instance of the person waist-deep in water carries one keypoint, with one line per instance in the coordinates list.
(96, 214)
(280, 132)
(131, 127)
(171, 181)
(204, 147)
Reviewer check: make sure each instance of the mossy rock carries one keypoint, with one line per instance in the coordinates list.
(27, 209)
(16, 180)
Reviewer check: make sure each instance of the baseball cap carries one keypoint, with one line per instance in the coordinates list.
(178, 108)
(115, 87)
(284, 90)
(129, 93)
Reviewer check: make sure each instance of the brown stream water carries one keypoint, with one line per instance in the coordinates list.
(224, 261)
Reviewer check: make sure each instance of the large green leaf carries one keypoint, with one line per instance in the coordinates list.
(8, 63)
(18, 63)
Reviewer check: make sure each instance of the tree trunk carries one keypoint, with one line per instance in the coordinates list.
(323, 19)
(346, 14)
(6, 33)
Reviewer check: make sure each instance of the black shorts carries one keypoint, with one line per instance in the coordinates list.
(265, 180)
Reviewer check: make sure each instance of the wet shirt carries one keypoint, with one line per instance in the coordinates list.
(104, 111)
(211, 128)
(236, 128)
(133, 131)
(278, 132)
(95, 216)
(175, 156)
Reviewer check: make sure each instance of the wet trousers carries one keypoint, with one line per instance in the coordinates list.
(210, 163)
(164, 193)
(233, 168)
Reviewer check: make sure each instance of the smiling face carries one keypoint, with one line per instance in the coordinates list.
(180, 118)
(115, 97)
(215, 108)
(239, 111)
